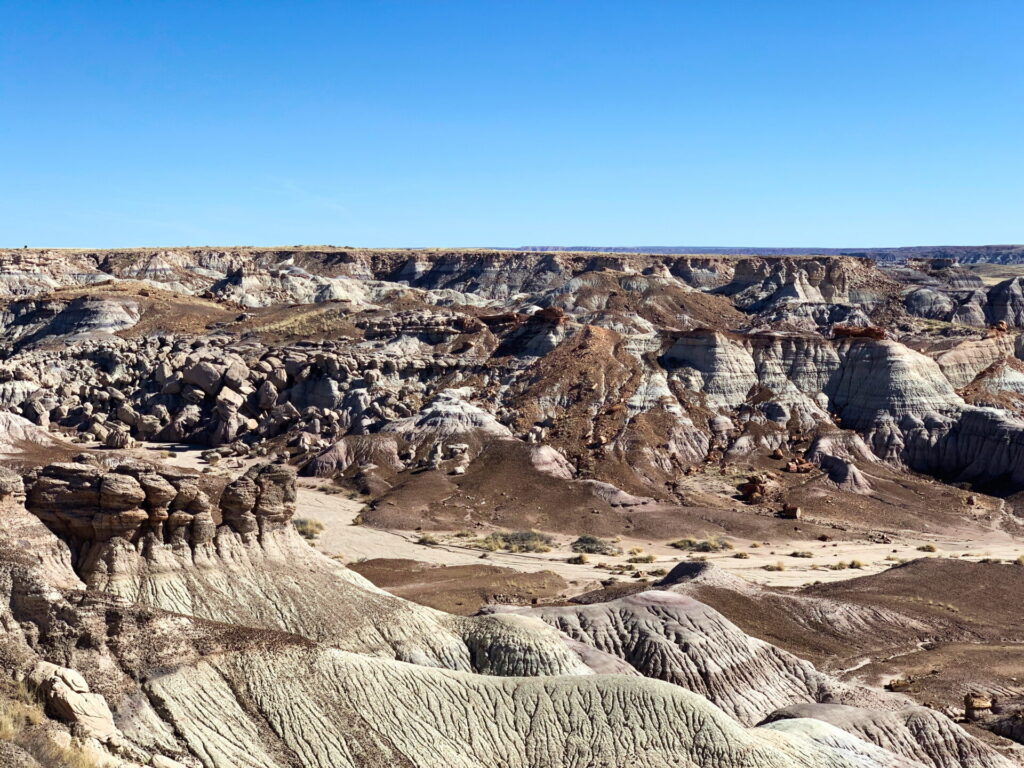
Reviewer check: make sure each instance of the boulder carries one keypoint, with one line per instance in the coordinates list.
(204, 375)
(67, 697)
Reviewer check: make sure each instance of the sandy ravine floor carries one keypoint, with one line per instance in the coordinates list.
(350, 543)
(355, 542)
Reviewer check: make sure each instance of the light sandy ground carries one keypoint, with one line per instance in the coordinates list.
(351, 542)
(189, 457)
(355, 542)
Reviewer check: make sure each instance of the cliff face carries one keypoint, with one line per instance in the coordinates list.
(308, 274)
(970, 304)
(147, 535)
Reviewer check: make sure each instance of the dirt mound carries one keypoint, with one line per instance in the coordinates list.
(461, 589)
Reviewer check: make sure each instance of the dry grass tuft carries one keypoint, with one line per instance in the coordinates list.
(308, 529)
(21, 721)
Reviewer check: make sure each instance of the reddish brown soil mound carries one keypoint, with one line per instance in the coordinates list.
(460, 589)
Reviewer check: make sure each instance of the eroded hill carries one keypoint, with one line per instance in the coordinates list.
(670, 407)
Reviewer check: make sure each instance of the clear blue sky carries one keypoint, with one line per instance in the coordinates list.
(819, 123)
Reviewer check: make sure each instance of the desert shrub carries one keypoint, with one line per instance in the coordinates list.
(580, 559)
(658, 572)
(840, 566)
(803, 554)
(780, 566)
(593, 545)
(711, 544)
(1019, 560)
(308, 529)
(427, 540)
(49, 754)
(741, 555)
(20, 714)
(856, 564)
(641, 559)
(689, 543)
(17, 711)
(927, 548)
(521, 541)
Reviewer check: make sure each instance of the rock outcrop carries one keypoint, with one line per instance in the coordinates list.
(672, 637)
(917, 733)
(148, 536)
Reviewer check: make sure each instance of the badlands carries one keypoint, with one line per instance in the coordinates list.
(321, 507)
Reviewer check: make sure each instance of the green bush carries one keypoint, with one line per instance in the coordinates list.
(711, 544)
(520, 541)
(593, 545)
